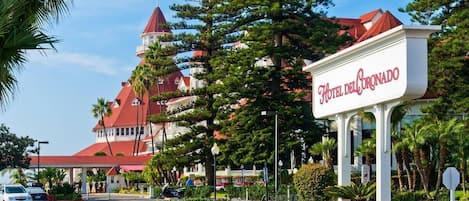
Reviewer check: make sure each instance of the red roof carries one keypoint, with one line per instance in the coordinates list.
(124, 147)
(355, 27)
(89, 161)
(369, 16)
(157, 22)
(111, 172)
(187, 81)
(126, 113)
(386, 22)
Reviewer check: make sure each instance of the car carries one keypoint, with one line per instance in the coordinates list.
(14, 192)
(37, 193)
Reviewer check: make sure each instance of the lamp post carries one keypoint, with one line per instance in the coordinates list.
(242, 174)
(39, 156)
(267, 113)
(215, 151)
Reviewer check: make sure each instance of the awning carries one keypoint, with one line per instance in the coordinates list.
(132, 167)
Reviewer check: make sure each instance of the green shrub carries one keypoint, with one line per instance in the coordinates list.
(409, 196)
(71, 196)
(65, 188)
(203, 199)
(311, 181)
(197, 191)
(157, 191)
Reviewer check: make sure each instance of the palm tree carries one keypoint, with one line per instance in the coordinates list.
(354, 192)
(415, 137)
(460, 148)
(367, 149)
(138, 88)
(159, 59)
(324, 148)
(401, 151)
(20, 30)
(143, 79)
(443, 131)
(101, 110)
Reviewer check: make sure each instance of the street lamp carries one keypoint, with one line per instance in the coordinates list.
(39, 156)
(215, 151)
(280, 164)
(267, 113)
(242, 174)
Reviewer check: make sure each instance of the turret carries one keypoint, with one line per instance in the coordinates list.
(156, 27)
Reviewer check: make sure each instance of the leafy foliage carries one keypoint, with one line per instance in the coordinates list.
(264, 73)
(311, 181)
(354, 191)
(21, 29)
(14, 150)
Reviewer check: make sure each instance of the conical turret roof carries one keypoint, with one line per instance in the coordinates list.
(157, 22)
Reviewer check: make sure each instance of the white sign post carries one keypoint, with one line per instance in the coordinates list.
(376, 75)
(451, 181)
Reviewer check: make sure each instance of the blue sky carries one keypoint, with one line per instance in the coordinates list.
(97, 53)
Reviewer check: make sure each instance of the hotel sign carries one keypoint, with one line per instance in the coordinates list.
(389, 66)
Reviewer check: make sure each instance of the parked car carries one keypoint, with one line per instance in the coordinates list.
(37, 193)
(14, 192)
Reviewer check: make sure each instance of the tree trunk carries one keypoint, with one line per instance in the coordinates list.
(463, 174)
(209, 168)
(135, 151)
(399, 171)
(441, 166)
(105, 134)
(137, 130)
(421, 172)
(410, 177)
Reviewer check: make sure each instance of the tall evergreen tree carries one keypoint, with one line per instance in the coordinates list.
(194, 146)
(448, 53)
(264, 73)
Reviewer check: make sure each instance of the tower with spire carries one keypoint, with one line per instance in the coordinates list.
(156, 27)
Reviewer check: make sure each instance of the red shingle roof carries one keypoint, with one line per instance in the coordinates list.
(80, 161)
(156, 23)
(369, 16)
(386, 22)
(355, 27)
(126, 113)
(125, 147)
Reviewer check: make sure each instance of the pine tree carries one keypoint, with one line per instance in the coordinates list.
(448, 53)
(264, 73)
(194, 146)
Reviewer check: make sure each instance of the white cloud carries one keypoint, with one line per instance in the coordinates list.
(78, 61)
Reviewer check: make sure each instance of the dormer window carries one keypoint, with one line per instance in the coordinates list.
(135, 102)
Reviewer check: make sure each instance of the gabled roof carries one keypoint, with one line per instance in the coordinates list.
(355, 27)
(126, 114)
(386, 22)
(187, 81)
(369, 16)
(156, 23)
(124, 147)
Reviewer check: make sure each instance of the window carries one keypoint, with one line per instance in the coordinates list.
(142, 130)
(117, 131)
(135, 102)
(132, 131)
(126, 131)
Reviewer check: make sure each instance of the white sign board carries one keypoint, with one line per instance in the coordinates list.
(390, 66)
(451, 178)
